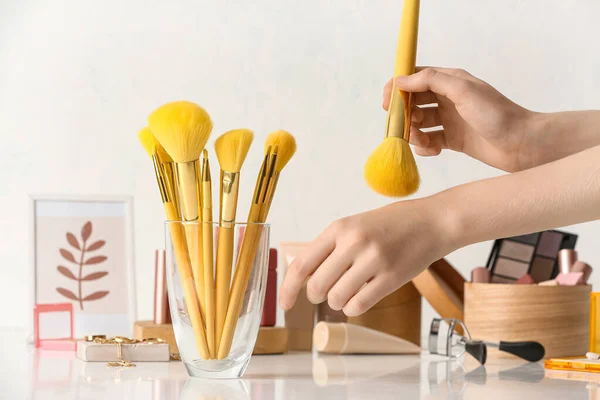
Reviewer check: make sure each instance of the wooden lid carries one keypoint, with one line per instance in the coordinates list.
(443, 288)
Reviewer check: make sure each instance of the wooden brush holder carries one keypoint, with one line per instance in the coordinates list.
(271, 340)
(148, 329)
(556, 316)
(398, 314)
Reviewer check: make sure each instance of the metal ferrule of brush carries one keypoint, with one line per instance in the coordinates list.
(270, 174)
(398, 117)
(270, 193)
(206, 192)
(268, 184)
(171, 186)
(261, 180)
(160, 179)
(230, 184)
(186, 174)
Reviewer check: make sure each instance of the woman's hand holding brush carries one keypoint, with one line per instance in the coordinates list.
(476, 119)
(360, 259)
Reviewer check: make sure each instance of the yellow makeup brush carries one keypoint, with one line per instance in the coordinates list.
(183, 128)
(207, 251)
(177, 237)
(169, 175)
(284, 147)
(391, 169)
(231, 149)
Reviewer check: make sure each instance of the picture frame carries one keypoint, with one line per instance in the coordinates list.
(82, 251)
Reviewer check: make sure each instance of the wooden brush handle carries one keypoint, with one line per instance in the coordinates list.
(223, 277)
(406, 52)
(193, 237)
(243, 269)
(187, 281)
(209, 283)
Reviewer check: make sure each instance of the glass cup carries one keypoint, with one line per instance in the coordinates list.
(247, 246)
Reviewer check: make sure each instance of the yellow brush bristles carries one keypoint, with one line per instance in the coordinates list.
(391, 169)
(147, 140)
(232, 147)
(151, 145)
(163, 156)
(182, 128)
(286, 147)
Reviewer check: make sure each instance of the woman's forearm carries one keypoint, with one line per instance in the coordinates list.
(560, 193)
(553, 136)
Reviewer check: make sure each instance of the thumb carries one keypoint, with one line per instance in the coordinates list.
(438, 82)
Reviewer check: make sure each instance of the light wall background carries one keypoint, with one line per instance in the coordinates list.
(78, 78)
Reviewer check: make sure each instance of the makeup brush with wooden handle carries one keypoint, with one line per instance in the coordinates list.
(274, 162)
(391, 169)
(286, 147)
(231, 148)
(178, 239)
(207, 252)
(183, 128)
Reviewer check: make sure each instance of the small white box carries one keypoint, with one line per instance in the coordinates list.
(138, 352)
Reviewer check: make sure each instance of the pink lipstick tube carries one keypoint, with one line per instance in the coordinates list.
(161, 301)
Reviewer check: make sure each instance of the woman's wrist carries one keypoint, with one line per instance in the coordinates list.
(447, 217)
(552, 136)
(440, 217)
(560, 193)
(537, 136)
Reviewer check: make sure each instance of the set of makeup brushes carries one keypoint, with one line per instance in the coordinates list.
(175, 139)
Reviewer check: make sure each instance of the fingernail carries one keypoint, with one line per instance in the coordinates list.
(349, 312)
(284, 305)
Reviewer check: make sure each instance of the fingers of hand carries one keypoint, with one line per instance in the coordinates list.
(418, 138)
(351, 282)
(457, 72)
(430, 117)
(327, 275)
(438, 82)
(424, 98)
(369, 295)
(303, 266)
(387, 94)
(427, 144)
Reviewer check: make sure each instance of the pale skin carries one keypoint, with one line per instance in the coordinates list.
(554, 181)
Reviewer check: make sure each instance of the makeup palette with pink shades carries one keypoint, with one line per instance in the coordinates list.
(532, 258)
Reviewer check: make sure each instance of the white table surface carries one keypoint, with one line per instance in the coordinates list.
(27, 373)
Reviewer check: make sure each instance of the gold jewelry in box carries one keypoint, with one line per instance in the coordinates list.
(120, 340)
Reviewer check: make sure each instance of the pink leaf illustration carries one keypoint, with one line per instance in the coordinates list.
(96, 295)
(96, 245)
(67, 293)
(73, 241)
(86, 231)
(95, 260)
(66, 272)
(94, 276)
(67, 255)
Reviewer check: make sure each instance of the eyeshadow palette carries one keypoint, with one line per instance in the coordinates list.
(535, 254)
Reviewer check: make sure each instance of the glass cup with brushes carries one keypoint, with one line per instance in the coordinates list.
(215, 292)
